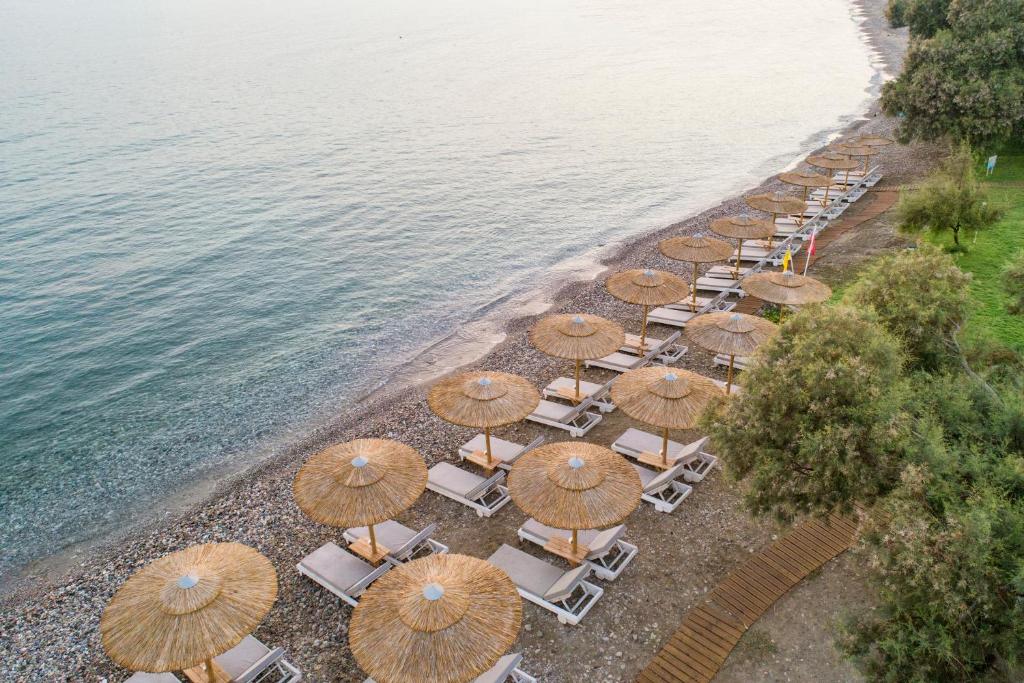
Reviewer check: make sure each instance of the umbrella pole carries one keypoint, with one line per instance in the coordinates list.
(728, 381)
(739, 253)
(578, 379)
(643, 332)
(487, 440)
(693, 289)
(664, 448)
(782, 309)
(772, 236)
(373, 540)
(575, 541)
(210, 675)
(846, 178)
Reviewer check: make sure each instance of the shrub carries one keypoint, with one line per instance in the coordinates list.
(921, 297)
(951, 198)
(1013, 279)
(895, 12)
(818, 426)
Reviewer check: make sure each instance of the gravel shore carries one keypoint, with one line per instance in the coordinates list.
(48, 624)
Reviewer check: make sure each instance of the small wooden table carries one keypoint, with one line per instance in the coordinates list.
(480, 458)
(655, 460)
(198, 674)
(363, 549)
(563, 548)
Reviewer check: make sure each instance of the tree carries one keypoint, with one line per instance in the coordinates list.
(818, 426)
(951, 198)
(964, 72)
(1013, 279)
(896, 13)
(921, 297)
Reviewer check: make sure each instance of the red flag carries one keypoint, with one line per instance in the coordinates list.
(810, 250)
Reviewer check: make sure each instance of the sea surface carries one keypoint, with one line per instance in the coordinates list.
(221, 220)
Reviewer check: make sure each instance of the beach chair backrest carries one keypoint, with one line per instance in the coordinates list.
(693, 448)
(564, 587)
(530, 446)
(260, 665)
(360, 585)
(485, 486)
(664, 479)
(605, 541)
(501, 671)
(411, 544)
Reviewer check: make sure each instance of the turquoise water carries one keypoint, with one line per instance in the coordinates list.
(222, 219)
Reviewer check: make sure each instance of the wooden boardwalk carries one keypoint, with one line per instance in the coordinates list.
(709, 632)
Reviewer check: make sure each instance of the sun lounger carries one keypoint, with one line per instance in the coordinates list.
(696, 463)
(505, 671)
(624, 362)
(678, 317)
(685, 304)
(486, 496)
(671, 351)
(740, 362)
(662, 489)
(718, 284)
(608, 555)
(564, 389)
(403, 543)
(568, 594)
(505, 453)
(251, 661)
(576, 420)
(341, 572)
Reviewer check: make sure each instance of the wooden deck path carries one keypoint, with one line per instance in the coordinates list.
(711, 630)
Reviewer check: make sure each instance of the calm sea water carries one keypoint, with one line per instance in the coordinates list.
(222, 218)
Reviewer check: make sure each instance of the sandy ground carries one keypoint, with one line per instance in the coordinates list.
(49, 624)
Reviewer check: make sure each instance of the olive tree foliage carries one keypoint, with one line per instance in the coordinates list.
(964, 72)
(818, 426)
(950, 199)
(1013, 280)
(921, 297)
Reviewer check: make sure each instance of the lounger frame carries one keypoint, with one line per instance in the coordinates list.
(608, 567)
(487, 501)
(571, 610)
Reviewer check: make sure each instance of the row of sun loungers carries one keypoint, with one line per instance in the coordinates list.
(248, 662)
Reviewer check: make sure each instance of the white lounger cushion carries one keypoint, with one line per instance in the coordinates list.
(537, 576)
(598, 542)
(332, 566)
(621, 360)
(653, 481)
(635, 441)
(568, 385)
(505, 451)
(460, 482)
(556, 412)
(397, 538)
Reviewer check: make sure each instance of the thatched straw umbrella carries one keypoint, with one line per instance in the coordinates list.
(776, 203)
(360, 483)
(646, 288)
(807, 180)
(483, 400)
(863, 152)
(696, 249)
(578, 337)
(669, 398)
(834, 161)
(440, 619)
(872, 141)
(574, 485)
(739, 228)
(734, 334)
(184, 609)
(786, 289)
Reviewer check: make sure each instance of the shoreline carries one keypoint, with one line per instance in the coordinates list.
(396, 409)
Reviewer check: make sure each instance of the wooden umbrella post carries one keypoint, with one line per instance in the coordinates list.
(643, 333)
(664, 448)
(211, 675)
(728, 381)
(693, 290)
(373, 539)
(575, 542)
(578, 397)
(772, 236)
(487, 441)
(739, 254)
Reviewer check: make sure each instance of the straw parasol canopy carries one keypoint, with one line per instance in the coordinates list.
(734, 334)
(833, 161)
(444, 618)
(872, 141)
(776, 203)
(186, 608)
(575, 485)
(577, 336)
(669, 398)
(856, 150)
(646, 288)
(786, 289)
(360, 483)
(483, 399)
(807, 180)
(739, 228)
(696, 249)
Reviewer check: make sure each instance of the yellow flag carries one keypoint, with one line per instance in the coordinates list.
(787, 259)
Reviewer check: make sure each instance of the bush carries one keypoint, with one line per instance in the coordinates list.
(921, 297)
(896, 13)
(964, 73)
(818, 426)
(951, 198)
(1013, 279)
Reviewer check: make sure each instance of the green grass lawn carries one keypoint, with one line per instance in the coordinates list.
(990, 249)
